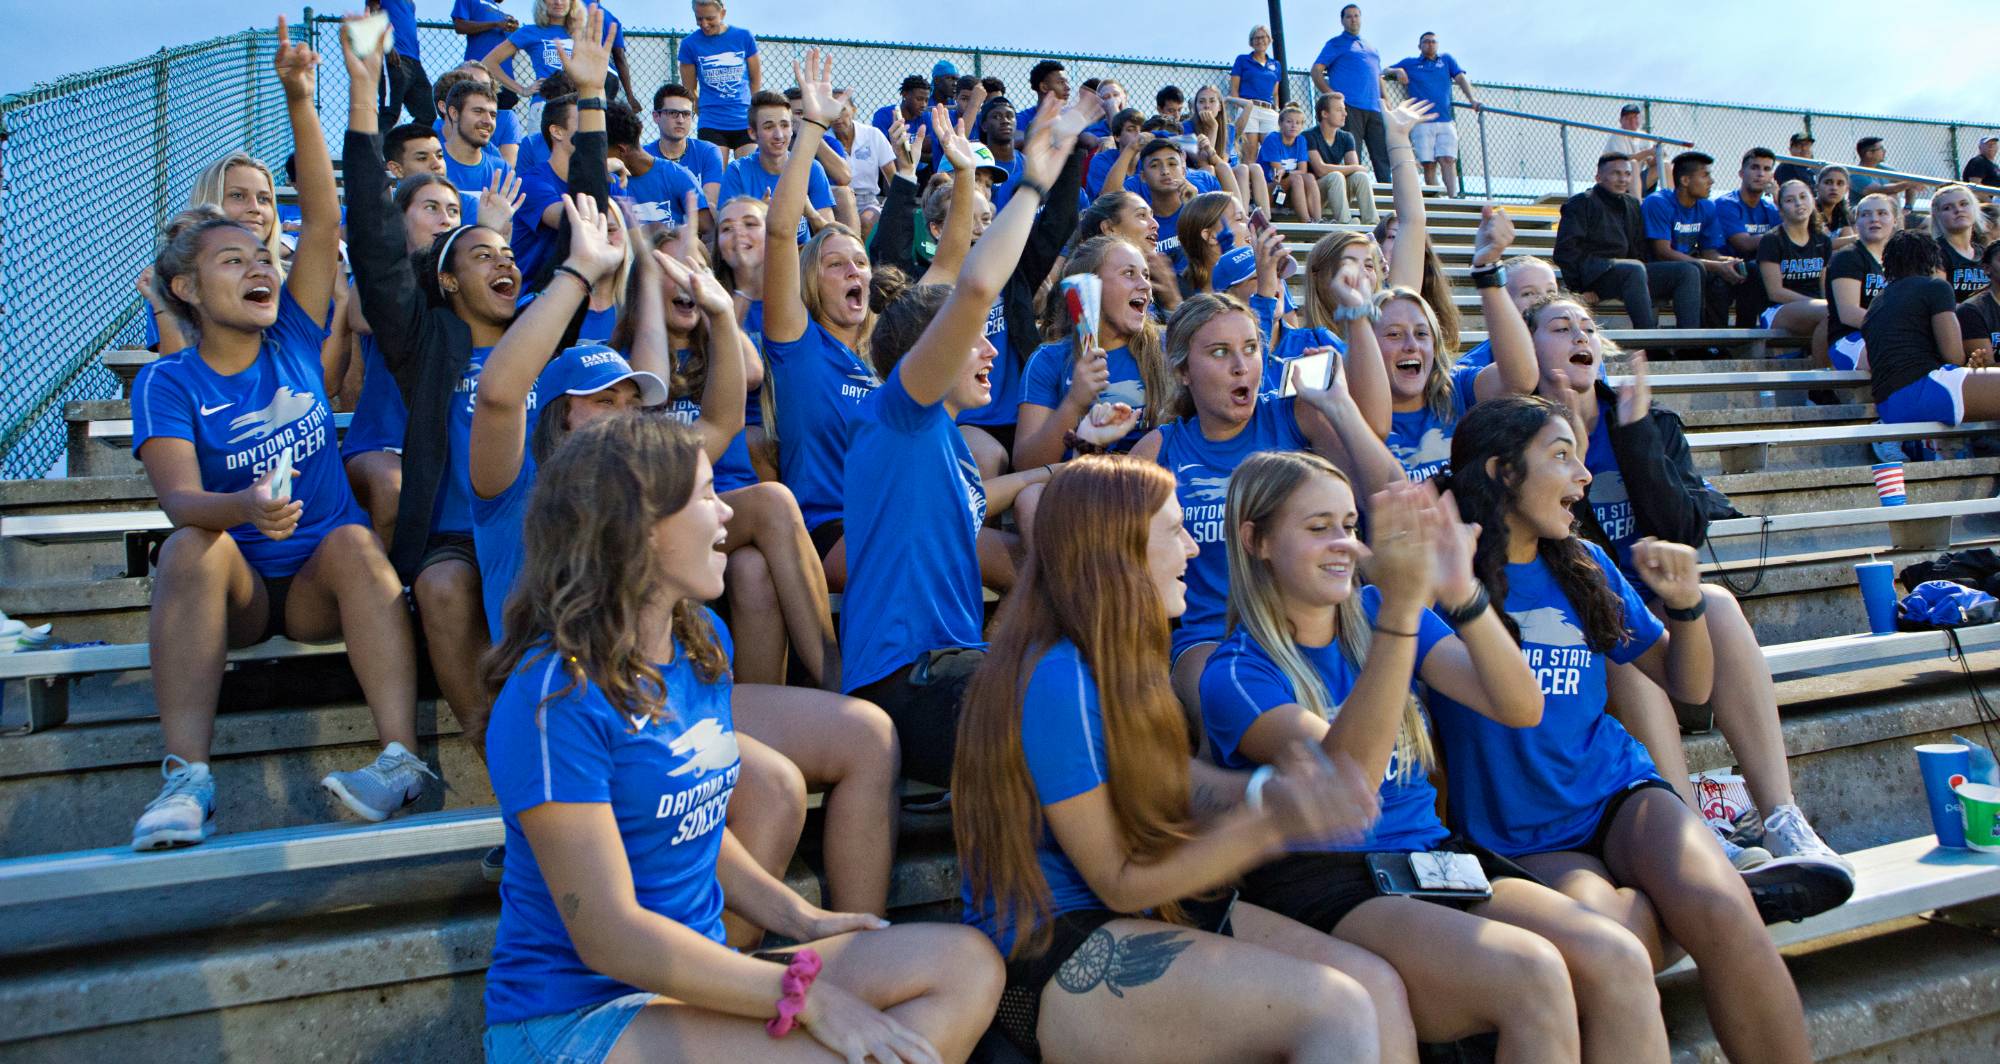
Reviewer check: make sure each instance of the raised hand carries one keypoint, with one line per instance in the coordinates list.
(590, 250)
(1495, 236)
(1351, 285)
(1635, 399)
(697, 284)
(590, 54)
(1314, 797)
(957, 149)
(1400, 529)
(1088, 378)
(1054, 134)
(1327, 399)
(1107, 423)
(1406, 116)
(296, 64)
(1672, 570)
(856, 1031)
(815, 82)
(499, 200)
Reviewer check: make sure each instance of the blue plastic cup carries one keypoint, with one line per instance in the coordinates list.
(1878, 594)
(1944, 766)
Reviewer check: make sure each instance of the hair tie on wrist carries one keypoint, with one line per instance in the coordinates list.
(561, 267)
(1024, 181)
(798, 979)
(1392, 631)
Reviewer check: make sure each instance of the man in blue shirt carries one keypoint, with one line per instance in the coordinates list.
(1681, 226)
(482, 24)
(657, 188)
(673, 112)
(1350, 66)
(722, 72)
(540, 218)
(470, 116)
(1746, 214)
(1047, 76)
(409, 86)
(757, 175)
(1429, 75)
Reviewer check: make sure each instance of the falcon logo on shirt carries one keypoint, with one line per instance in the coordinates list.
(286, 406)
(707, 748)
(1208, 489)
(1428, 458)
(1548, 626)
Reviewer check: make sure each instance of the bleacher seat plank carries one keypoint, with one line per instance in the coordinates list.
(121, 428)
(52, 528)
(1864, 649)
(1913, 430)
(1868, 515)
(124, 657)
(1895, 881)
(1723, 382)
(1652, 338)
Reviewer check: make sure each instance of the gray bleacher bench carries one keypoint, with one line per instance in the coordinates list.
(1747, 451)
(1757, 340)
(125, 363)
(47, 674)
(1840, 653)
(1891, 882)
(1915, 526)
(115, 429)
(1763, 382)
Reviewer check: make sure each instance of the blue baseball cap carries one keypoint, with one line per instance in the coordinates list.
(944, 67)
(590, 368)
(1236, 266)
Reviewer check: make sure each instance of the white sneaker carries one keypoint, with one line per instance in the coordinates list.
(184, 811)
(1744, 858)
(1789, 835)
(377, 790)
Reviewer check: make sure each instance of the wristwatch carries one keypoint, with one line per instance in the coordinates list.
(1494, 276)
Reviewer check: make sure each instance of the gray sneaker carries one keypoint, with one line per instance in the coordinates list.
(377, 790)
(1787, 834)
(183, 813)
(1744, 858)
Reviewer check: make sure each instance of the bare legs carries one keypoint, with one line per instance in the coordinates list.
(454, 619)
(377, 480)
(787, 576)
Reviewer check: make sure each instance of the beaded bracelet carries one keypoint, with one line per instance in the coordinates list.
(798, 979)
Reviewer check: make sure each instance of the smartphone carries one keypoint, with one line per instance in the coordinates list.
(1259, 221)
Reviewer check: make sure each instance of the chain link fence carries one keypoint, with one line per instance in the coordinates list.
(72, 244)
(70, 248)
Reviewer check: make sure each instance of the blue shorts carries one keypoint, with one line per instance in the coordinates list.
(1938, 396)
(1850, 352)
(1769, 316)
(584, 1036)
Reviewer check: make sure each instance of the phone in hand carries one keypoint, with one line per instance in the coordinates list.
(1259, 221)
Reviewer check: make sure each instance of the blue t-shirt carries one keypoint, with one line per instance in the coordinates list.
(659, 194)
(1480, 357)
(454, 498)
(1291, 344)
(722, 65)
(472, 180)
(1257, 81)
(478, 44)
(1421, 440)
(1241, 682)
(1004, 378)
(497, 524)
(241, 423)
(534, 151)
(753, 327)
(506, 130)
(819, 381)
(1353, 69)
(403, 26)
(1734, 216)
(914, 504)
(1534, 790)
(1100, 168)
(1430, 81)
(667, 779)
(1170, 238)
(732, 470)
(1062, 740)
(747, 177)
(1689, 229)
(702, 159)
(1274, 152)
(380, 415)
(1229, 138)
(1201, 469)
(531, 240)
(1052, 366)
(1608, 500)
(545, 46)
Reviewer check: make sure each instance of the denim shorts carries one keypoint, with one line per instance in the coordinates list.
(584, 1036)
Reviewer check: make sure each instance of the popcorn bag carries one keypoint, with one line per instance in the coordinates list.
(1083, 296)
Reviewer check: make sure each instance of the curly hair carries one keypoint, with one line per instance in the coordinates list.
(1502, 429)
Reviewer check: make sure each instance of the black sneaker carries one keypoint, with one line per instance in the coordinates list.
(493, 864)
(1793, 888)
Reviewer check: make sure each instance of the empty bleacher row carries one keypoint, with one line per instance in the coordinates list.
(295, 933)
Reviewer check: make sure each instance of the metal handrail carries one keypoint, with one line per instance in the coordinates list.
(1563, 126)
(1893, 175)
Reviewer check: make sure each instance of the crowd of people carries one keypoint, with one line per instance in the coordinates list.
(626, 415)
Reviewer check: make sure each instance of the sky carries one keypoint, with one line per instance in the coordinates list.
(1934, 65)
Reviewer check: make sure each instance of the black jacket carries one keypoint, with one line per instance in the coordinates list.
(1669, 499)
(1596, 227)
(426, 347)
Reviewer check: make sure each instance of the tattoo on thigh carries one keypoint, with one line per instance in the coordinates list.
(1120, 963)
(570, 904)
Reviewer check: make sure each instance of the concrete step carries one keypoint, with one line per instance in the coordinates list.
(1811, 592)
(1850, 487)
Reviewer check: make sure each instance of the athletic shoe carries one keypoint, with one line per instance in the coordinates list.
(183, 813)
(1789, 835)
(493, 864)
(1793, 888)
(1743, 857)
(377, 790)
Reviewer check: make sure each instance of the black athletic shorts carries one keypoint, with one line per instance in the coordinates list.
(448, 547)
(924, 699)
(1612, 806)
(827, 535)
(277, 591)
(729, 139)
(1020, 1009)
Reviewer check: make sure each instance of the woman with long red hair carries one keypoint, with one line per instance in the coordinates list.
(1080, 821)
